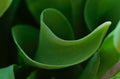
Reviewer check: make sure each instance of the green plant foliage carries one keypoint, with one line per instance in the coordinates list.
(4, 5)
(52, 38)
(91, 68)
(97, 12)
(73, 10)
(117, 76)
(117, 37)
(59, 39)
(37, 6)
(109, 49)
(7, 72)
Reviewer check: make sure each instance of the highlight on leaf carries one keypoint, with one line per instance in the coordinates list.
(109, 49)
(7, 72)
(56, 46)
(4, 5)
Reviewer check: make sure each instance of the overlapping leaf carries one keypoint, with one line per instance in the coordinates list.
(117, 37)
(4, 5)
(109, 51)
(7, 72)
(55, 47)
(72, 9)
(99, 11)
(91, 69)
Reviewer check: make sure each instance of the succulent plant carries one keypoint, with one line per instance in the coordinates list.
(59, 39)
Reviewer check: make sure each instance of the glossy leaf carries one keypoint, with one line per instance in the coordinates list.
(37, 6)
(99, 11)
(78, 21)
(54, 37)
(4, 5)
(110, 49)
(7, 72)
(73, 10)
(117, 37)
(64, 49)
(92, 67)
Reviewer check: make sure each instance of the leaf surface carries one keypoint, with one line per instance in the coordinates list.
(56, 47)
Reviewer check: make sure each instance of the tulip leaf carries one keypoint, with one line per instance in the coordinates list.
(117, 37)
(56, 47)
(37, 6)
(92, 68)
(78, 21)
(4, 5)
(110, 49)
(64, 49)
(99, 11)
(107, 51)
(72, 9)
(7, 72)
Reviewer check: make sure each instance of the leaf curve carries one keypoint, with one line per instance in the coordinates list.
(91, 68)
(72, 9)
(110, 49)
(37, 6)
(53, 50)
(4, 5)
(7, 72)
(99, 11)
(117, 37)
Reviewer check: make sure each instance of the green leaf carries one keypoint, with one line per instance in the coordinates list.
(37, 6)
(98, 11)
(55, 47)
(108, 51)
(72, 9)
(32, 75)
(117, 76)
(6, 42)
(117, 37)
(7, 72)
(91, 68)
(78, 21)
(4, 5)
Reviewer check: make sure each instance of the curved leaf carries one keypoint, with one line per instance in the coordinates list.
(37, 6)
(72, 9)
(64, 49)
(78, 21)
(107, 52)
(4, 5)
(54, 51)
(117, 37)
(7, 73)
(99, 11)
(91, 68)
(110, 49)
